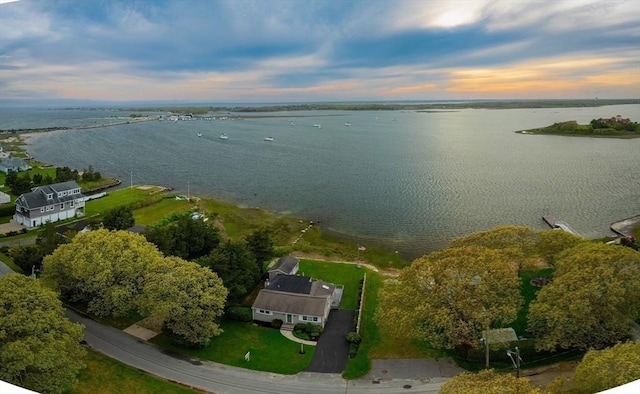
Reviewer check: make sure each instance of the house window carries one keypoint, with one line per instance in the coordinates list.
(62, 206)
(315, 318)
(310, 318)
(42, 209)
(50, 196)
(264, 312)
(71, 205)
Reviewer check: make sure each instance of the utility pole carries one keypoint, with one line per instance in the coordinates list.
(517, 362)
(486, 351)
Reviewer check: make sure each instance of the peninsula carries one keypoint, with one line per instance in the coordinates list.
(615, 127)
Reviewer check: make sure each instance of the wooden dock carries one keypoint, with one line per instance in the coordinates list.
(557, 224)
(550, 220)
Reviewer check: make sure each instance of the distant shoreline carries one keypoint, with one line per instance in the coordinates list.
(372, 106)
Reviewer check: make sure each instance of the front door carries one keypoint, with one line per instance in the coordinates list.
(289, 318)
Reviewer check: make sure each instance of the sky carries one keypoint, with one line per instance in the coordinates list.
(249, 51)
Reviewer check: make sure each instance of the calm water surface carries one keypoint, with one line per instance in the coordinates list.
(410, 181)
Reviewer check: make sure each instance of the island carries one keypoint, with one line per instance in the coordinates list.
(615, 127)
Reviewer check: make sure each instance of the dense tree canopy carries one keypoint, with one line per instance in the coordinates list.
(186, 238)
(591, 301)
(236, 266)
(29, 257)
(188, 297)
(488, 382)
(117, 272)
(102, 269)
(603, 369)
(39, 347)
(120, 218)
(448, 297)
(261, 245)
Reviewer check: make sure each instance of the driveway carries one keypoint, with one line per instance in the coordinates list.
(332, 350)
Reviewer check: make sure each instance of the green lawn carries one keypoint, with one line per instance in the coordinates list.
(270, 351)
(9, 263)
(152, 214)
(116, 199)
(528, 294)
(348, 275)
(104, 375)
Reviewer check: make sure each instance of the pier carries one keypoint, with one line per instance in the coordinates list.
(556, 224)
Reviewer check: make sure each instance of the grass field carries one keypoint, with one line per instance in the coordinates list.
(348, 275)
(270, 350)
(528, 294)
(116, 199)
(152, 214)
(104, 375)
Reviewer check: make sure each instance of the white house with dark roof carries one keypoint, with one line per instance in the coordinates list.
(296, 299)
(49, 203)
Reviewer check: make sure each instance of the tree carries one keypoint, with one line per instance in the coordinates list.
(186, 238)
(64, 174)
(39, 347)
(10, 180)
(188, 297)
(120, 218)
(21, 185)
(555, 241)
(261, 245)
(591, 301)
(102, 269)
(603, 369)
(37, 179)
(49, 239)
(448, 297)
(26, 257)
(488, 382)
(236, 266)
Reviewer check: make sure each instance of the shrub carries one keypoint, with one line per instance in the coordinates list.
(300, 327)
(353, 349)
(240, 313)
(276, 323)
(353, 337)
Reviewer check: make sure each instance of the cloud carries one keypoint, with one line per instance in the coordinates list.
(234, 50)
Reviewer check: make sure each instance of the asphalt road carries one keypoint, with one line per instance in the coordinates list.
(220, 379)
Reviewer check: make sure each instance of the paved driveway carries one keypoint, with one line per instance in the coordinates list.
(332, 350)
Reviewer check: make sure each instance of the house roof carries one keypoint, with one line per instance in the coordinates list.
(291, 284)
(12, 162)
(38, 197)
(286, 265)
(300, 304)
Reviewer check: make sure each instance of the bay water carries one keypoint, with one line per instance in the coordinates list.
(405, 180)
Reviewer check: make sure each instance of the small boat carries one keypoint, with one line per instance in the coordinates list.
(224, 137)
(268, 138)
(317, 125)
(199, 134)
(348, 124)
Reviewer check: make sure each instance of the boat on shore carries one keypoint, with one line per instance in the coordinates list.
(199, 134)
(347, 124)
(317, 125)
(268, 138)
(224, 137)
